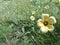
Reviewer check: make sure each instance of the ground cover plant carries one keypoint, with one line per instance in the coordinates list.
(19, 18)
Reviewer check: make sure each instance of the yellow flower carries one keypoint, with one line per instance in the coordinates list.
(33, 12)
(46, 7)
(32, 18)
(46, 23)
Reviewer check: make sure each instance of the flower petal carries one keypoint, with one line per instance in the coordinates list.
(39, 23)
(50, 27)
(44, 29)
(52, 20)
(45, 17)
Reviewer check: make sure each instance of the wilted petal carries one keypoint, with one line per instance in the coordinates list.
(44, 29)
(52, 20)
(50, 27)
(39, 23)
(45, 17)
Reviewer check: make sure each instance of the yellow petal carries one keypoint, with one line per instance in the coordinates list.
(39, 23)
(59, 0)
(44, 29)
(50, 27)
(52, 20)
(45, 17)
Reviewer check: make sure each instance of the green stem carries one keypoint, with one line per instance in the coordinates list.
(8, 43)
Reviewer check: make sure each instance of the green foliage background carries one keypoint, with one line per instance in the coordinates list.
(16, 27)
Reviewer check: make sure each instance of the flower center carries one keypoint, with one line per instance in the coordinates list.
(45, 23)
